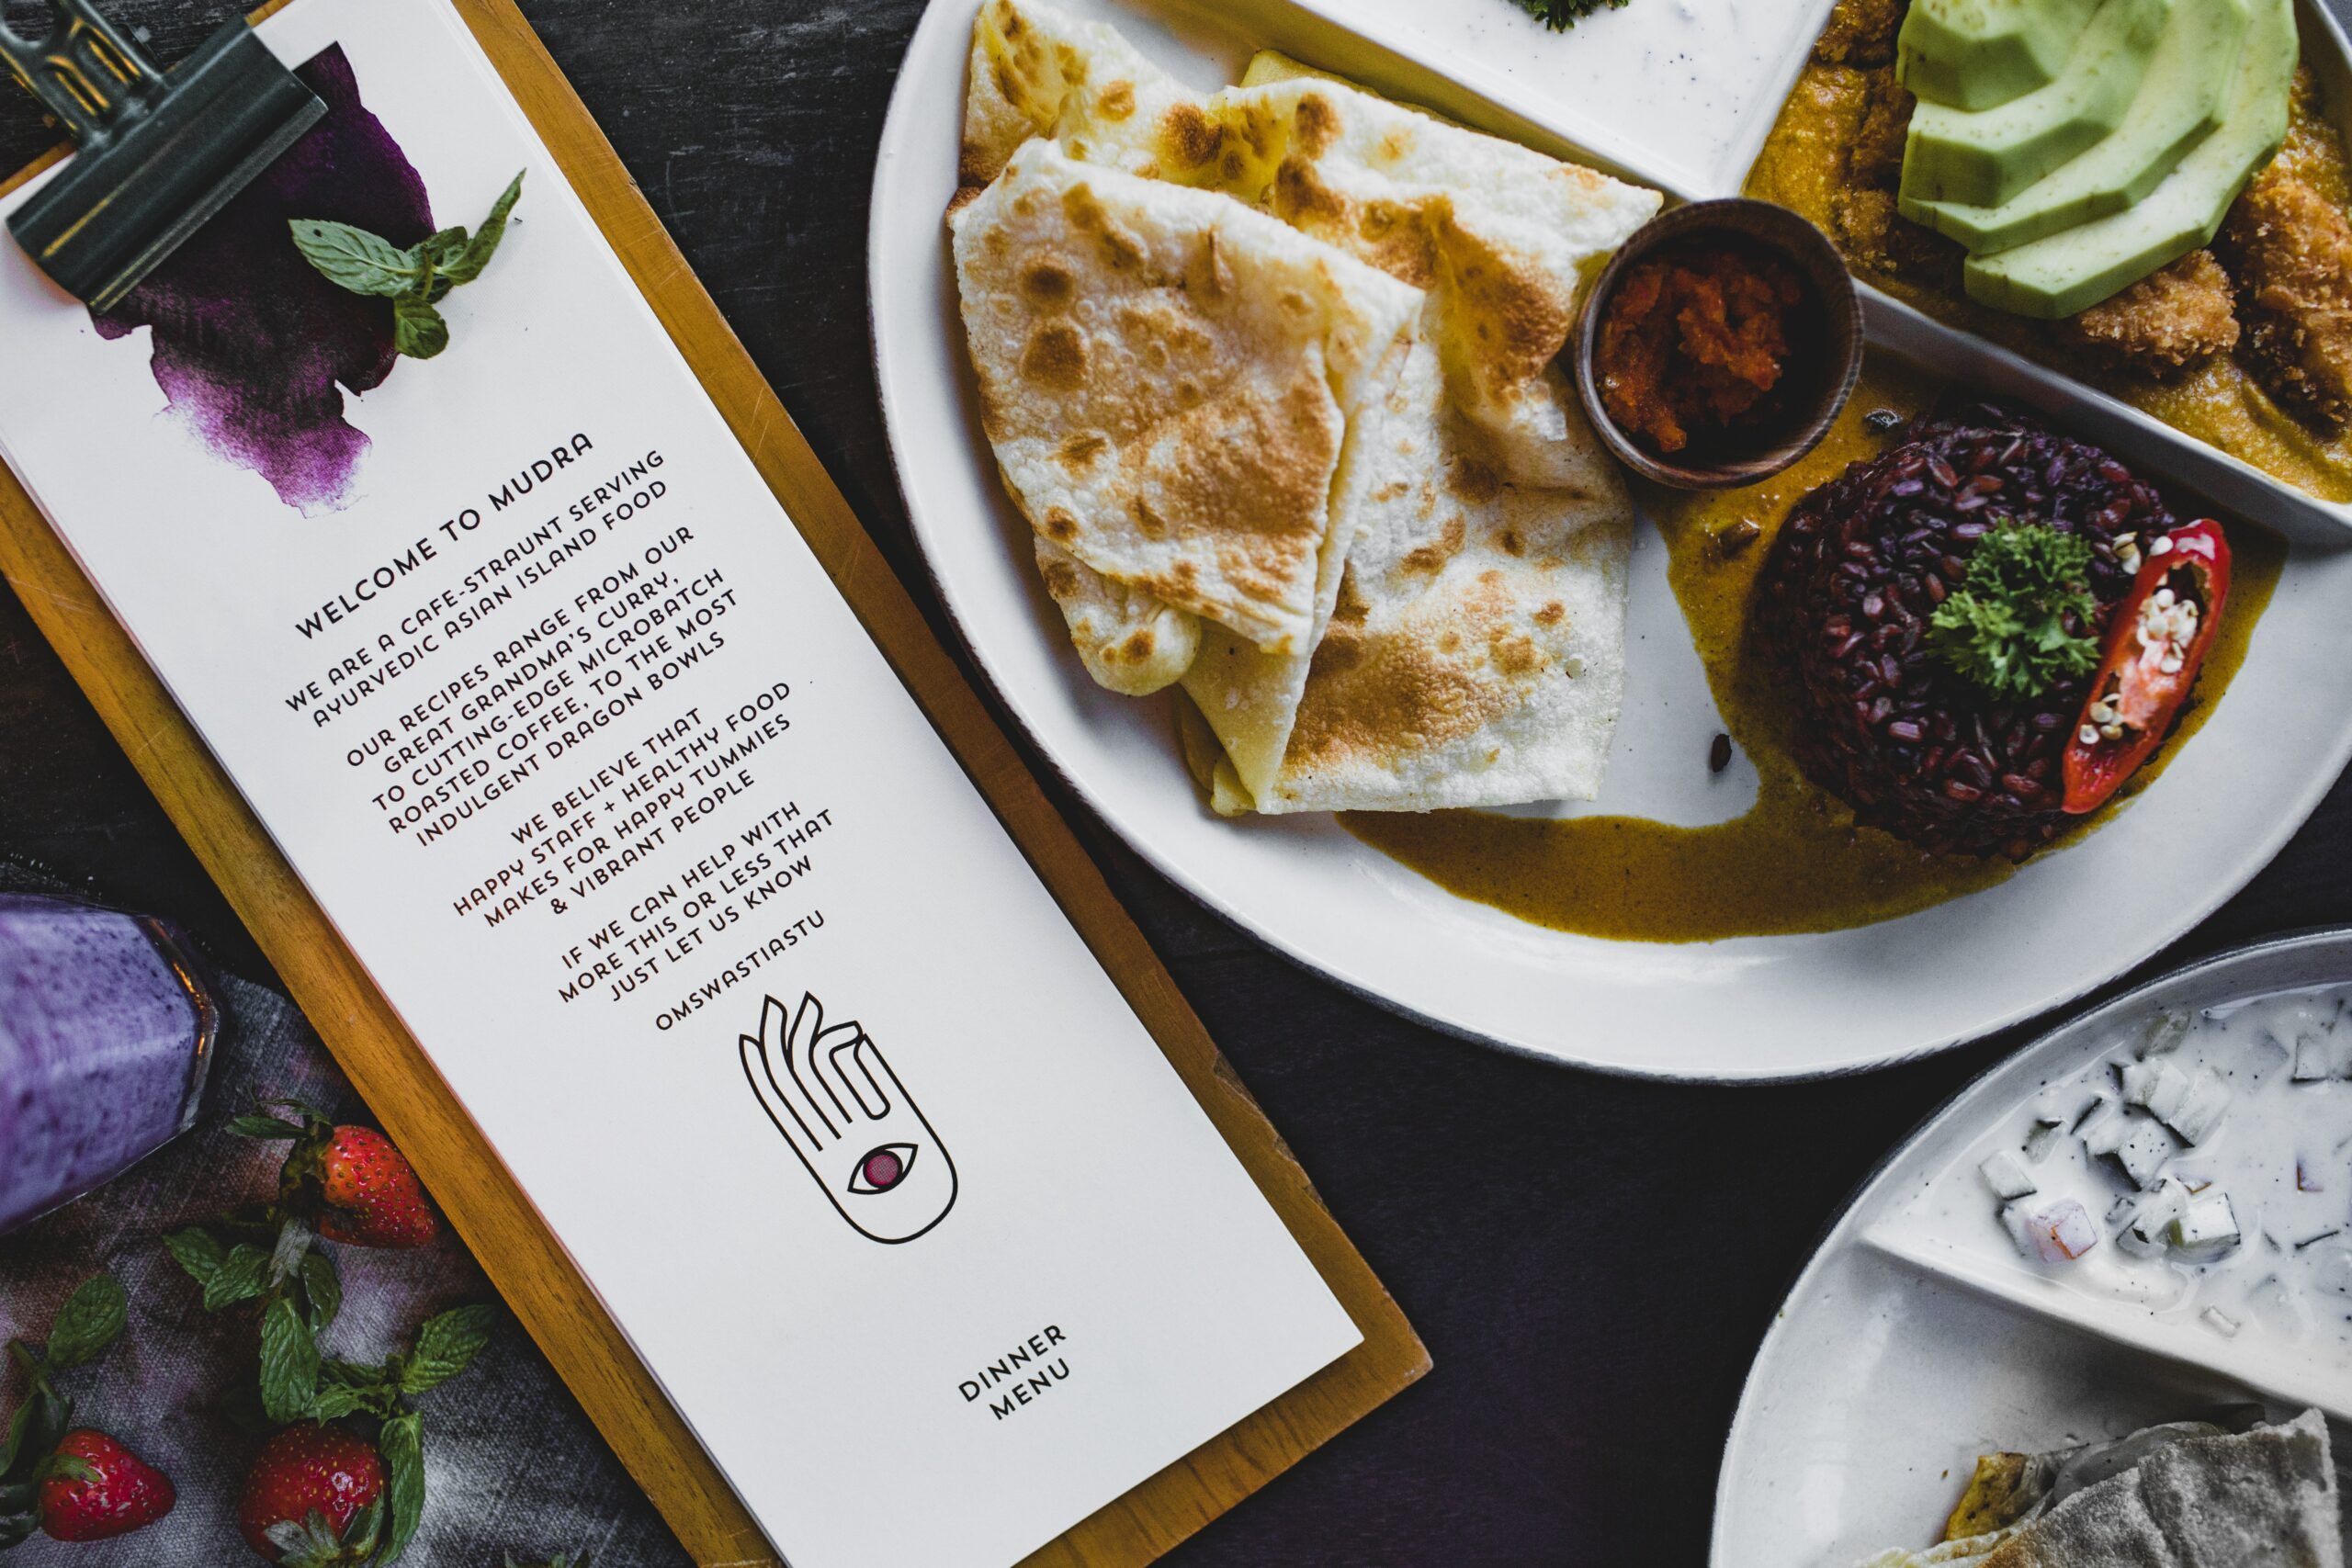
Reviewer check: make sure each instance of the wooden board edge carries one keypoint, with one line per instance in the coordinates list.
(389, 1069)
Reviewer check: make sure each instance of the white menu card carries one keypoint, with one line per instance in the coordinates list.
(527, 671)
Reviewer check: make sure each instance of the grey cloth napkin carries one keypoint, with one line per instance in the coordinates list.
(512, 1463)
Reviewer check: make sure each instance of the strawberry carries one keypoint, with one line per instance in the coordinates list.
(372, 1195)
(93, 1488)
(308, 1487)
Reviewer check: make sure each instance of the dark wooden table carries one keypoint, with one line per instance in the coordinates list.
(1591, 1261)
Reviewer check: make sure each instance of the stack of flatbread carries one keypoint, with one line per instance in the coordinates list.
(1270, 372)
(2186, 1495)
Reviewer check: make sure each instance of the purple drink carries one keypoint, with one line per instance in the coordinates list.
(106, 1032)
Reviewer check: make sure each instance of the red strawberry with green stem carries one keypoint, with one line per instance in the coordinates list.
(75, 1483)
(93, 1488)
(345, 1183)
(314, 1496)
(373, 1197)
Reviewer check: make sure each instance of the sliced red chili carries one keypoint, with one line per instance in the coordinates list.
(2156, 639)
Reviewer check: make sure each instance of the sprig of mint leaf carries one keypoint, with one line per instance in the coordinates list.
(2021, 621)
(416, 279)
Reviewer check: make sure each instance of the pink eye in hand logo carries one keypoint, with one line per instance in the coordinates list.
(828, 1090)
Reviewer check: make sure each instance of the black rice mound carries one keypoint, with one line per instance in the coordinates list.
(1843, 605)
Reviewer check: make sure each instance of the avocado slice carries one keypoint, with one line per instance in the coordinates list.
(1974, 54)
(1985, 157)
(2072, 270)
(2179, 103)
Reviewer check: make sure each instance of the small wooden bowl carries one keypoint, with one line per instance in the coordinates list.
(1825, 342)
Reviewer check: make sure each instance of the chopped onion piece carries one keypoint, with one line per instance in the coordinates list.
(2142, 1154)
(2166, 1032)
(2041, 1140)
(2102, 1129)
(2145, 1233)
(2005, 1175)
(2224, 1323)
(2311, 1176)
(2209, 1225)
(2207, 1103)
(2063, 1232)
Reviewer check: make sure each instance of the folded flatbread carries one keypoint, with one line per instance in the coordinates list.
(2266, 1498)
(1503, 236)
(1468, 639)
(1475, 652)
(1168, 378)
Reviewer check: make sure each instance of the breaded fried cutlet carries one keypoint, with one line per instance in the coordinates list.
(1861, 32)
(2290, 251)
(1875, 159)
(1877, 239)
(2168, 323)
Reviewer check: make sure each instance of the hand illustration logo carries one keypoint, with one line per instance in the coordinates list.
(828, 1091)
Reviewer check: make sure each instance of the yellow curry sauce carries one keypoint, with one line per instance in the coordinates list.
(1795, 861)
(1803, 167)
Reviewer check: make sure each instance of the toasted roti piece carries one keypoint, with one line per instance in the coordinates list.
(1130, 642)
(2184, 1495)
(1476, 655)
(2265, 1499)
(1503, 236)
(1166, 379)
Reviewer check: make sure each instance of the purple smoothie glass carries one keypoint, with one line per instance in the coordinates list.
(105, 1033)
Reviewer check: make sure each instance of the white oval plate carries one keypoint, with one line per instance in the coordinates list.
(1880, 1381)
(1741, 1010)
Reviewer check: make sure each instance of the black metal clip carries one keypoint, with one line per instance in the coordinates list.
(159, 152)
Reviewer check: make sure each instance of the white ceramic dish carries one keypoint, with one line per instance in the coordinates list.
(1743, 1008)
(1882, 1377)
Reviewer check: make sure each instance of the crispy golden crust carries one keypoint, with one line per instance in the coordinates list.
(2168, 323)
(1878, 240)
(2291, 252)
(1875, 159)
(1861, 32)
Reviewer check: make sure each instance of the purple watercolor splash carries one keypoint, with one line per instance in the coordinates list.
(251, 347)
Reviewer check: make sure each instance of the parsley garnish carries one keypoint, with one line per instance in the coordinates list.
(1561, 15)
(2019, 623)
(416, 279)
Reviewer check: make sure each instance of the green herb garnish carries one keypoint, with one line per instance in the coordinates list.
(416, 279)
(1561, 15)
(2019, 623)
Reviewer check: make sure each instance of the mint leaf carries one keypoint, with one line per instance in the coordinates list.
(242, 1275)
(447, 1345)
(359, 1535)
(267, 1128)
(418, 330)
(197, 1251)
(91, 1319)
(484, 244)
(402, 1447)
(293, 1246)
(13, 1530)
(289, 1362)
(353, 258)
(33, 1432)
(322, 1287)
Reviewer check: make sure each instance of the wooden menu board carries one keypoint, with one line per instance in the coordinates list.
(523, 1258)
